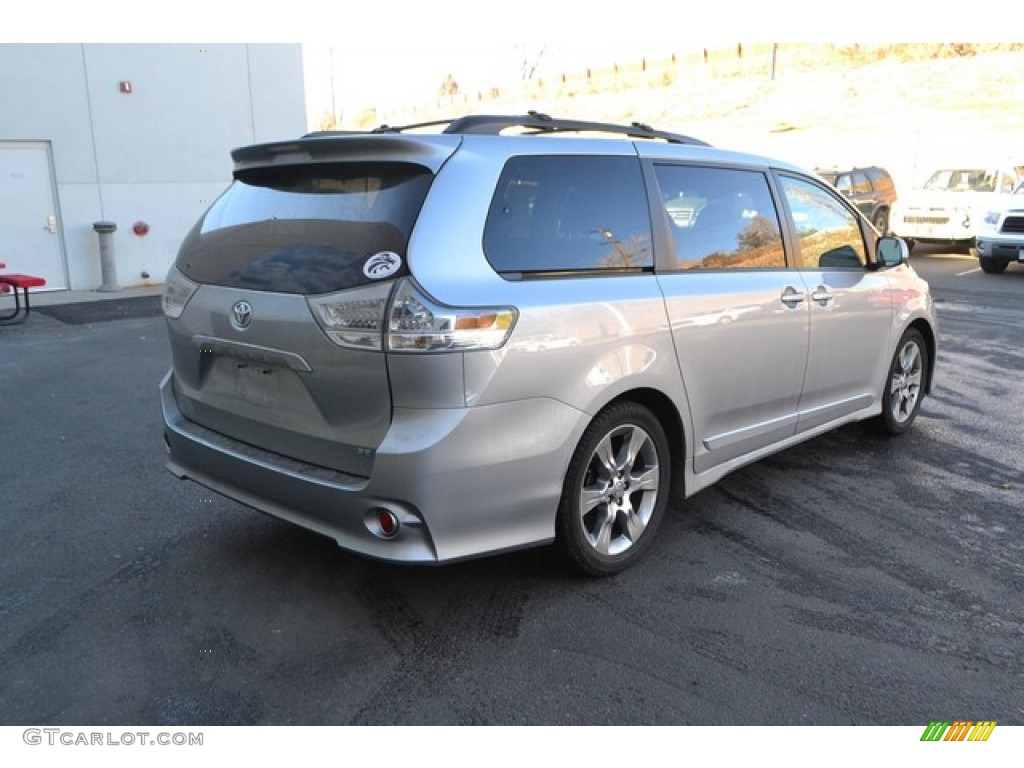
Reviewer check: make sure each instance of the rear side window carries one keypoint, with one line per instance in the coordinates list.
(306, 229)
(861, 185)
(879, 178)
(556, 214)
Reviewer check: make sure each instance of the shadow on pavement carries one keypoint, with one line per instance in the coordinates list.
(87, 312)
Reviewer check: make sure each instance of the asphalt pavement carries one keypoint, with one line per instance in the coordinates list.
(849, 580)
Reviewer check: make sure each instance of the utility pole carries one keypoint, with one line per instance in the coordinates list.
(334, 111)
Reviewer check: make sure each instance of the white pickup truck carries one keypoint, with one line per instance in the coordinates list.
(950, 206)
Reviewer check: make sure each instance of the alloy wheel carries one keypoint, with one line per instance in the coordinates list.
(620, 490)
(905, 383)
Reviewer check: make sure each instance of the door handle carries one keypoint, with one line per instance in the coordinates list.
(822, 295)
(791, 297)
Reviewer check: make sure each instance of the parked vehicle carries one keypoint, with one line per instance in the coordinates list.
(434, 346)
(1000, 239)
(871, 189)
(949, 207)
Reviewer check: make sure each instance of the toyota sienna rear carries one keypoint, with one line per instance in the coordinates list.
(433, 346)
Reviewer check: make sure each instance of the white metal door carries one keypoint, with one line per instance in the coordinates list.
(30, 240)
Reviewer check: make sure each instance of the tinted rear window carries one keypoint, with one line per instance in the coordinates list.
(305, 229)
(569, 213)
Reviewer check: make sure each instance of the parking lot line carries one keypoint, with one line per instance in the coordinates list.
(968, 272)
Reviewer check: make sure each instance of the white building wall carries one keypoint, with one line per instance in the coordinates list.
(159, 154)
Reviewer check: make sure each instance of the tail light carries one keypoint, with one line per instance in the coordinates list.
(417, 323)
(403, 318)
(353, 318)
(178, 289)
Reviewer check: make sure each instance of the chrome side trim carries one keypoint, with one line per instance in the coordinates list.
(823, 413)
(717, 442)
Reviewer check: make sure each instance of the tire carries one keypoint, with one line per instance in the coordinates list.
(992, 266)
(911, 242)
(881, 220)
(616, 490)
(904, 384)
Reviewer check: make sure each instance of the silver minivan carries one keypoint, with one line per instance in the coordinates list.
(431, 346)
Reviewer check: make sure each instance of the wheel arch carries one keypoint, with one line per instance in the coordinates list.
(923, 327)
(882, 207)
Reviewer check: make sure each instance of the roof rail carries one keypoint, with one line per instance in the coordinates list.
(536, 123)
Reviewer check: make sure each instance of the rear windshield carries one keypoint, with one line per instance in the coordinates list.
(306, 229)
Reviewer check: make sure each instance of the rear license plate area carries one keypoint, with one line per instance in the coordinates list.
(257, 384)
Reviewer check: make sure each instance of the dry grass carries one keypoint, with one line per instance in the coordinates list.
(906, 107)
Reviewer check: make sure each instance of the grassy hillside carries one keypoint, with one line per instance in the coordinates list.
(906, 107)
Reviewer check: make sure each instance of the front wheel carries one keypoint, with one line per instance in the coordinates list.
(616, 490)
(992, 266)
(905, 384)
(881, 221)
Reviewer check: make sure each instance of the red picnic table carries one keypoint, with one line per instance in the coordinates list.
(14, 281)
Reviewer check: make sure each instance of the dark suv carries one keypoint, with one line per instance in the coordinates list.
(870, 189)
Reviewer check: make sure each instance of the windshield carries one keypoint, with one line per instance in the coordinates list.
(963, 180)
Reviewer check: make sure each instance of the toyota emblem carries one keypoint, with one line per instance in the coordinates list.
(241, 315)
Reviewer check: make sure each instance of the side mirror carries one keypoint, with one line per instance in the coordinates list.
(891, 251)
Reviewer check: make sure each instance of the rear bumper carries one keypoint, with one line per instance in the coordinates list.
(463, 482)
